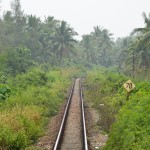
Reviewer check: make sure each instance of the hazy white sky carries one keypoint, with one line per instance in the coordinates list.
(120, 17)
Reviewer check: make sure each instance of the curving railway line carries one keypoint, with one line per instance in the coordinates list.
(72, 132)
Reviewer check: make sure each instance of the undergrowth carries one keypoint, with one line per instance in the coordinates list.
(27, 102)
(126, 120)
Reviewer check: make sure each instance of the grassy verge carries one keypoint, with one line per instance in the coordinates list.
(126, 120)
(32, 99)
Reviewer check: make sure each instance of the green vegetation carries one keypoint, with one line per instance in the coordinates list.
(105, 92)
(131, 129)
(38, 61)
(35, 97)
(126, 120)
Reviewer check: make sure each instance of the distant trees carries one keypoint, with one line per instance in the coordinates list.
(98, 47)
(19, 22)
(52, 42)
(124, 54)
(105, 44)
(88, 48)
(62, 41)
(143, 43)
(32, 29)
(18, 60)
(136, 55)
(46, 30)
(49, 42)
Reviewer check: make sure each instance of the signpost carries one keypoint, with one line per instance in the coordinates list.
(129, 86)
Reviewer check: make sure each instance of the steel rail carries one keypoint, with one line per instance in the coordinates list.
(85, 144)
(59, 136)
(61, 130)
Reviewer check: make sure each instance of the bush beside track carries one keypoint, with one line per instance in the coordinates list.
(126, 121)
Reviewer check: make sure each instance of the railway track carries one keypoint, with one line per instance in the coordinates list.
(72, 132)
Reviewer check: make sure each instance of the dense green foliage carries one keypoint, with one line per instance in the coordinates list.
(126, 120)
(131, 129)
(134, 58)
(4, 92)
(104, 90)
(35, 97)
(52, 42)
(26, 41)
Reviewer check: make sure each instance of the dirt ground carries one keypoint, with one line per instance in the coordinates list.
(96, 139)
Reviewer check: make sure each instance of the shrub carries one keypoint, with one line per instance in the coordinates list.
(102, 91)
(4, 92)
(35, 98)
(131, 130)
(19, 127)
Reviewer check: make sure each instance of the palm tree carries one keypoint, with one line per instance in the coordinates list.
(47, 30)
(104, 41)
(62, 41)
(136, 55)
(19, 22)
(88, 48)
(147, 25)
(143, 43)
(32, 28)
(124, 50)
